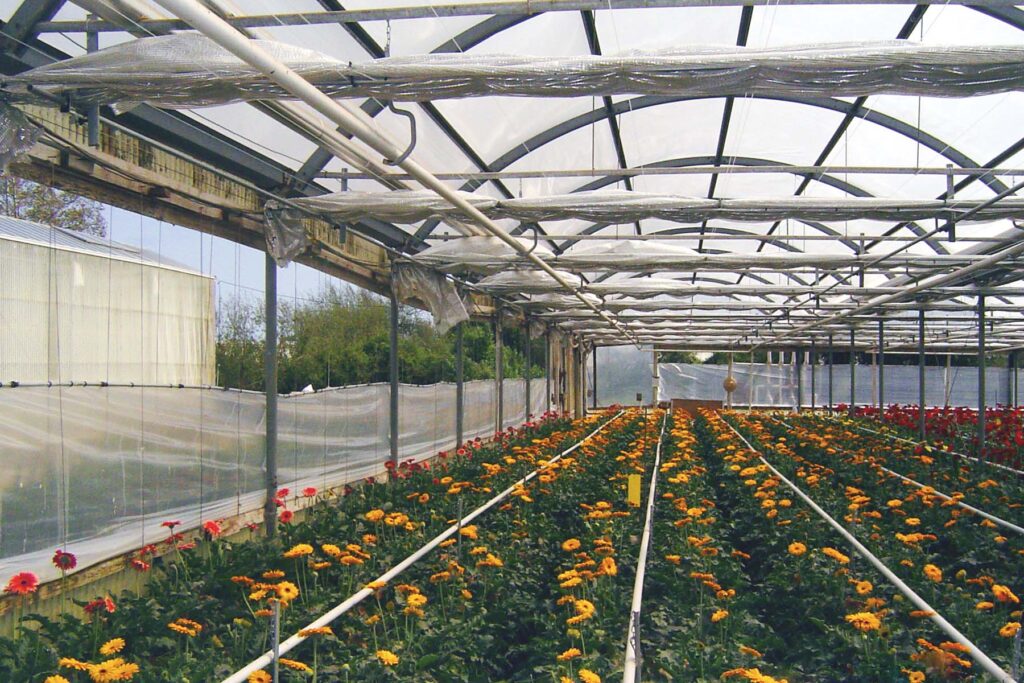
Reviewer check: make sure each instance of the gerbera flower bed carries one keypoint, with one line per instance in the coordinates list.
(744, 581)
(956, 561)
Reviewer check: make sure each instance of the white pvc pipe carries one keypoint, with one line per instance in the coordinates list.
(631, 669)
(981, 513)
(266, 658)
(976, 654)
(211, 25)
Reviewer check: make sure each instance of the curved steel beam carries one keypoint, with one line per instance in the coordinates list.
(643, 102)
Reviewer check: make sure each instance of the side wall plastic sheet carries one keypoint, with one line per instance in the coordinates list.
(97, 469)
(776, 385)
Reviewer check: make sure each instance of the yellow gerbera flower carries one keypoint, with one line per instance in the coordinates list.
(387, 657)
(112, 646)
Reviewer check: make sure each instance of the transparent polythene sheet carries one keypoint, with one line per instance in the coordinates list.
(187, 70)
(97, 469)
(776, 385)
(617, 206)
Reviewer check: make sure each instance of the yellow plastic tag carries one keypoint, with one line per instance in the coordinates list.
(633, 490)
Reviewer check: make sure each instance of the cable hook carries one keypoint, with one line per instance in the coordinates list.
(401, 112)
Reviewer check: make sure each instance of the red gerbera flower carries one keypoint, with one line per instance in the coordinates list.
(286, 516)
(212, 528)
(22, 583)
(309, 491)
(140, 565)
(170, 524)
(283, 493)
(64, 561)
(105, 603)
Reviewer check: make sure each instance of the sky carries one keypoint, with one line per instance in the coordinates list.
(236, 268)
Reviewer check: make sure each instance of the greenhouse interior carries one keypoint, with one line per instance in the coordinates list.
(523, 340)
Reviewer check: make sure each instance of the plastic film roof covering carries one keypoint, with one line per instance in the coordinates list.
(409, 206)
(826, 127)
(189, 70)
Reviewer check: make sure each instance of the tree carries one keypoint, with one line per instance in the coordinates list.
(34, 202)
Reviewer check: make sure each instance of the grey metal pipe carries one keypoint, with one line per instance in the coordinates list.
(981, 377)
(499, 375)
(922, 428)
(831, 363)
(853, 371)
(460, 388)
(270, 390)
(528, 363)
(393, 375)
(92, 44)
(798, 357)
(547, 369)
(881, 368)
(814, 367)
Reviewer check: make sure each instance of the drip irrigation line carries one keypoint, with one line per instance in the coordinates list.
(287, 646)
(631, 669)
(1007, 468)
(970, 508)
(975, 653)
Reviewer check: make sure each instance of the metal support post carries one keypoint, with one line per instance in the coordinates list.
(393, 377)
(655, 379)
(460, 387)
(798, 358)
(547, 369)
(593, 362)
(881, 368)
(814, 367)
(270, 391)
(1011, 379)
(831, 363)
(922, 428)
(853, 372)
(92, 115)
(528, 355)
(981, 376)
(499, 375)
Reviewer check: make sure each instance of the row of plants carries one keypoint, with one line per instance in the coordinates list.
(701, 617)
(962, 567)
(209, 601)
(537, 589)
(842, 440)
(956, 428)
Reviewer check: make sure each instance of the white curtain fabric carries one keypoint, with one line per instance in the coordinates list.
(70, 316)
(97, 469)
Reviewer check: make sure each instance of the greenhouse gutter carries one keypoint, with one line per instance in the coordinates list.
(631, 669)
(976, 654)
(241, 676)
(222, 33)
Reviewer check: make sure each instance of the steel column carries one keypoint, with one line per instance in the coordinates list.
(655, 380)
(1011, 379)
(881, 368)
(981, 376)
(92, 44)
(393, 376)
(922, 428)
(270, 391)
(528, 366)
(831, 363)
(799, 364)
(499, 375)
(594, 374)
(547, 369)
(814, 367)
(460, 388)
(853, 371)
